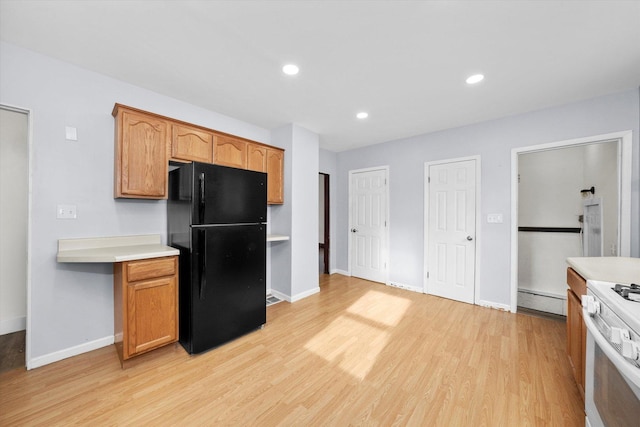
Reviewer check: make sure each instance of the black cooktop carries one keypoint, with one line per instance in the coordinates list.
(629, 292)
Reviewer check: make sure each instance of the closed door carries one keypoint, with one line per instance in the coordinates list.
(451, 244)
(369, 224)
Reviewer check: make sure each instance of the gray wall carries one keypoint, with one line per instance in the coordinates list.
(294, 263)
(72, 304)
(493, 141)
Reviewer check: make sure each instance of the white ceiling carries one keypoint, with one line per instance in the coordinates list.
(405, 62)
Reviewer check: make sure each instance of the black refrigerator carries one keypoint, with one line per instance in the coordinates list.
(216, 217)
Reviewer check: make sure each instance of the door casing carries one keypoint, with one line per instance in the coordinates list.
(29, 114)
(624, 200)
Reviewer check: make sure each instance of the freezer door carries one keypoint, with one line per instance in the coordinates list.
(228, 289)
(224, 195)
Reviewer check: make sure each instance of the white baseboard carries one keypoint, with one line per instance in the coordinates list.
(9, 326)
(297, 297)
(343, 272)
(308, 293)
(497, 306)
(56, 356)
(406, 287)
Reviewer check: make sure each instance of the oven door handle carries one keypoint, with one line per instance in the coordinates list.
(630, 372)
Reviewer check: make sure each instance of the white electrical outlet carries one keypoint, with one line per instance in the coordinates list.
(66, 212)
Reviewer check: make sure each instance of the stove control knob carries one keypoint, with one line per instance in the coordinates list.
(590, 303)
(630, 349)
(619, 334)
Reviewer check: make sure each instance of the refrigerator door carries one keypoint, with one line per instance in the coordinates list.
(223, 195)
(228, 285)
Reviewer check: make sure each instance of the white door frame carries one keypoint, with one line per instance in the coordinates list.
(624, 139)
(476, 285)
(29, 114)
(385, 249)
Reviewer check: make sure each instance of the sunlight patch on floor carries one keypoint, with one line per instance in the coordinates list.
(354, 340)
(380, 307)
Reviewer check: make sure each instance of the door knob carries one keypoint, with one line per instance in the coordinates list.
(469, 238)
(354, 230)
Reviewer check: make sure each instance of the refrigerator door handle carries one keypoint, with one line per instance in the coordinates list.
(202, 198)
(203, 262)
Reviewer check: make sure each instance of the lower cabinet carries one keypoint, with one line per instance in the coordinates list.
(576, 329)
(145, 305)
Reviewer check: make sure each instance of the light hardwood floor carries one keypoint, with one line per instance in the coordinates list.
(357, 353)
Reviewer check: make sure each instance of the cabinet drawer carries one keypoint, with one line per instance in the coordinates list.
(148, 269)
(576, 282)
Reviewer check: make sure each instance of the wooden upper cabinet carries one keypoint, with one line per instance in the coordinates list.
(257, 157)
(145, 142)
(191, 144)
(141, 163)
(230, 151)
(275, 176)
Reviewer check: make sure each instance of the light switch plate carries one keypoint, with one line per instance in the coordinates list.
(71, 133)
(494, 218)
(66, 212)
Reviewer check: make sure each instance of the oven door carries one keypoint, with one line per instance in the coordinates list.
(612, 384)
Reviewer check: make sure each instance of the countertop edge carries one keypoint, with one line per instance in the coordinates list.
(607, 269)
(116, 254)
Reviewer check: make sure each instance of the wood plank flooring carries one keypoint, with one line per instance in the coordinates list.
(357, 353)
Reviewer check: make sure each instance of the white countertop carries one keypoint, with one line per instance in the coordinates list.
(113, 249)
(608, 269)
(122, 248)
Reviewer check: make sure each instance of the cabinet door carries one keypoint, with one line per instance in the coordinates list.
(275, 176)
(256, 158)
(141, 156)
(230, 151)
(152, 314)
(191, 144)
(576, 338)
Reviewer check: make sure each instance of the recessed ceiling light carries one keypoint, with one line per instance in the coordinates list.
(290, 69)
(362, 115)
(476, 78)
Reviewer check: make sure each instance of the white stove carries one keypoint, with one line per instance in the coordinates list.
(627, 307)
(611, 314)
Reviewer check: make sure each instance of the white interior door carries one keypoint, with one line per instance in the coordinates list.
(368, 229)
(451, 230)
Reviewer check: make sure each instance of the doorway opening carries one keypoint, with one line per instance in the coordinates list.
(554, 187)
(323, 223)
(14, 229)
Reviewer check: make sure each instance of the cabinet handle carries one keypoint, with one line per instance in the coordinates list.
(203, 262)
